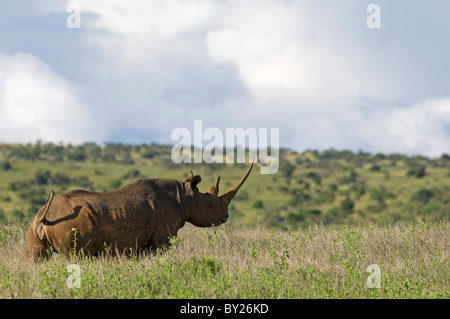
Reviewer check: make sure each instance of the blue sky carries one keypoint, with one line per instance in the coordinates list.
(137, 70)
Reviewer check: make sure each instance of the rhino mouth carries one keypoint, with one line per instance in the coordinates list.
(223, 220)
(220, 221)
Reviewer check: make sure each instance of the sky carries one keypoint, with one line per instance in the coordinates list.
(134, 71)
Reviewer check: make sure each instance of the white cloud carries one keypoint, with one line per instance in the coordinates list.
(36, 103)
(280, 50)
(423, 128)
(286, 59)
(301, 64)
(147, 36)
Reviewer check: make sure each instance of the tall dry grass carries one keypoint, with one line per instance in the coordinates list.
(248, 262)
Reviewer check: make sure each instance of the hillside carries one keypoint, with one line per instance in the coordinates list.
(326, 187)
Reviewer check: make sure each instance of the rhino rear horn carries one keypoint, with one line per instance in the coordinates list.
(214, 189)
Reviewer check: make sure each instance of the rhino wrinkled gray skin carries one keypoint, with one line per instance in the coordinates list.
(141, 216)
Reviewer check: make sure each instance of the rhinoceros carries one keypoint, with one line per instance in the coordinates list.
(143, 216)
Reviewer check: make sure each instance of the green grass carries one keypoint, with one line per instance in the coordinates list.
(247, 262)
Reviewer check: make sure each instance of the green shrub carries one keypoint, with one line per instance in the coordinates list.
(77, 155)
(346, 206)
(18, 185)
(380, 194)
(34, 195)
(349, 176)
(5, 166)
(134, 173)
(423, 196)
(314, 177)
(48, 178)
(416, 170)
(296, 217)
(258, 204)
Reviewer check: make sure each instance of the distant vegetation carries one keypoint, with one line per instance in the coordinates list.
(325, 187)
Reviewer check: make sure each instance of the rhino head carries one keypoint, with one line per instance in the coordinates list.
(209, 209)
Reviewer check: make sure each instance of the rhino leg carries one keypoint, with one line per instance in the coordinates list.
(157, 243)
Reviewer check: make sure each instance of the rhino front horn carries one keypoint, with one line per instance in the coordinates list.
(228, 196)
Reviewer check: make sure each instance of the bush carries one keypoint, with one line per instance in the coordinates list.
(346, 206)
(273, 217)
(34, 195)
(116, 183)
(77, 155)
(258, 204)
(47, 178)
(134, 173)
(19, 185)
(286, 169)
(148, 154)
(418, 170)
(349, 176)
(314, 177)
(423, 196)
(83, 182)
(380, 194)
(324, 197)
(60, 179)
(42, 178)
(359, 188)
(296, 217)
(302, 214)
(243, 196)
(432, 207)
(5, 166)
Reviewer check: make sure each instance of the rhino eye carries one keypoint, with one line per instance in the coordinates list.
(210, 205)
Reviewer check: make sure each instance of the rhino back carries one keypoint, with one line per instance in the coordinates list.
(126, 217)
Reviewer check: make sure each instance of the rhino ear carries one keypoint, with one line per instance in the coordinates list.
(195, 181)
(189, 178)
(192, 183)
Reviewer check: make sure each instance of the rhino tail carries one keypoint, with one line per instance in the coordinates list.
(40, 220)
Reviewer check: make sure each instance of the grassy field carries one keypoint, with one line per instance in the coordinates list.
(247, 262)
